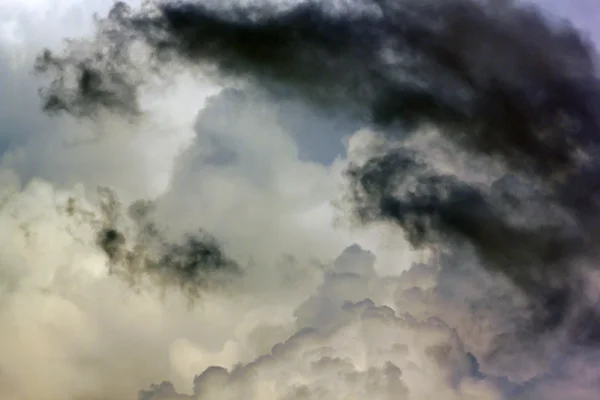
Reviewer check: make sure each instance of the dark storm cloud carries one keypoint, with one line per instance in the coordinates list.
(195, 264)
(497, 78)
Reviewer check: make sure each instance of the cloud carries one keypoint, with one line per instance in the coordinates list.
(498, 81)
(411, 336)
(217, 195)
(67, 307)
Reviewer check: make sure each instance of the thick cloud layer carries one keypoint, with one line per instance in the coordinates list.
(498, 80)
(531, 100)
(234, 209)
(412, 336)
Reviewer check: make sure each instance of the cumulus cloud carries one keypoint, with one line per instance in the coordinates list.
(81, 265)
(181, 240)
(500, 81)
(411, 336)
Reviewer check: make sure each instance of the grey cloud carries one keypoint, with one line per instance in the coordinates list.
(500, 80)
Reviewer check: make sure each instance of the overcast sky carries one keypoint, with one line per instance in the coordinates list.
(260, 174)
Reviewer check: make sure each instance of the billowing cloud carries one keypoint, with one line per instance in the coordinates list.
(498, 80)
(173, 221)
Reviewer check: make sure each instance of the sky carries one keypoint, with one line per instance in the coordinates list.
(324, 309)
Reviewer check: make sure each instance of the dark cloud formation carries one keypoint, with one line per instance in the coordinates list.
(196, 264)
(525, 235)
(496, 73)
(499, 79)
